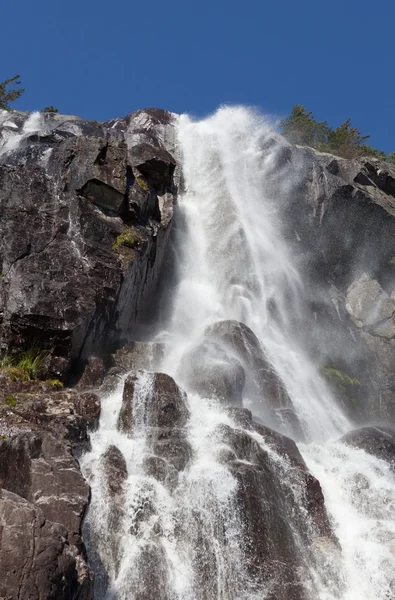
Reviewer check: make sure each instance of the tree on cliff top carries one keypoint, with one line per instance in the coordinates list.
(7, 96)
(300, 127)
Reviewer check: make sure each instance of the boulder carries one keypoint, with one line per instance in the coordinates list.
(263, 384)
(42, 470)
(152, 400)
(212, 373)
(155, 164)
(379, 441)
(154, 406)
(93, 374)
(43, 500)
(370, 307)
(139, 355)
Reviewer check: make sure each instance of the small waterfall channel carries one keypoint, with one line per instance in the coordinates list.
(189, 500)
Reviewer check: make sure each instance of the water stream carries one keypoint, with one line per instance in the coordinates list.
(232, 263)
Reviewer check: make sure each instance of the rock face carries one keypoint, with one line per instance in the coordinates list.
(36, 560)
(338, 220)
(86, 212)
(43, 499)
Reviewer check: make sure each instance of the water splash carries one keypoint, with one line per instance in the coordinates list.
(33, 124)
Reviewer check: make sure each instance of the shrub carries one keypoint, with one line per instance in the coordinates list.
(126, 239)
(25, 365)
(50, 109)
(11, 400)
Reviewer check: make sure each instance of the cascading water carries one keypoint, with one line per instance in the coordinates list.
(33, 124)
(185, 541)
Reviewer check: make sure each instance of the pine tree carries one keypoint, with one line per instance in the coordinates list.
(8, 96)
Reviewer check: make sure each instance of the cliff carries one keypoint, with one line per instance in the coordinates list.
(86, 215)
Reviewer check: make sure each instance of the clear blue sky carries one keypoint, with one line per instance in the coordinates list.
(104, 59)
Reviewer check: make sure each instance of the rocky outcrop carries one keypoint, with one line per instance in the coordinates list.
(154, 404)
(43, 495)
(36, 560)
(210, 371)
(379, 441)
(262, 383)
(86, 212)
(338, 219)
(43, 500)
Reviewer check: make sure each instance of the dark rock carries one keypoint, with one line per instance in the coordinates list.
(43, 498)
(93, 374)
(262, 382)
(154, 400)
(88, 406)
(139, 355)
(63, 196)
(210, 372)
(36, 560)
(379, 441)
(34, 405)
(155, 164)
(276, 497)
(37, 467)
(115, 470)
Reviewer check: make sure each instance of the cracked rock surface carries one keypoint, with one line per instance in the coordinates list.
(85, 216)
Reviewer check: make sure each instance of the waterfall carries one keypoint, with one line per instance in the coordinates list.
(186, 540)
(33, 124)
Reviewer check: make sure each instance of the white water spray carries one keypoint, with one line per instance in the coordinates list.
(33, 124)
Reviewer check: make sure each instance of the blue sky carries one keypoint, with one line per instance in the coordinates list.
(104, 59)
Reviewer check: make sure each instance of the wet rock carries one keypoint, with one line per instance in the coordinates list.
(139, 355)
(153, 400)
(370, 307)
(115, 469)
(262, 381)
(270, 509)
(89, 407)
(36, 560)
(379, 441)
(93, 374)
(64, 202)
(152, 573)
(212, 373)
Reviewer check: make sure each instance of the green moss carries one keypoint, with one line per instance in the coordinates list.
(126, 239)
(392, 262)
(339, 378)
(142, 183)
(3, 437)
(54, 382)
(11, 401)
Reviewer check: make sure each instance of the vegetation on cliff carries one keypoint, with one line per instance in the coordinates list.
(9, 95)
(300, 127)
